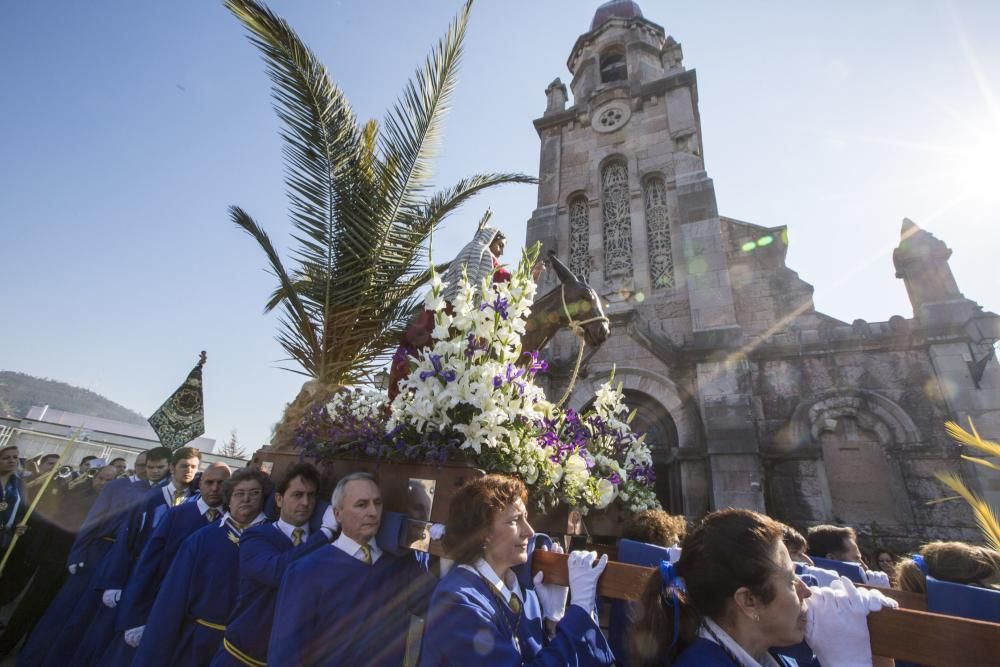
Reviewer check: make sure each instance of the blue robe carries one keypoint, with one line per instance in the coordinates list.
(706, 653)
(59, 630)
(199, 591)
(334, 609)
(114, 571)
(466, 622)
(265, 554)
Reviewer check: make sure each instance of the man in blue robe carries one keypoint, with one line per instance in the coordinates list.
(188, 619)
(349, 603)
(176, 525)
(265, 553)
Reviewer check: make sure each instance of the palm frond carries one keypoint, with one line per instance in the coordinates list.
(985, 515)
(982, 462)
(963, 437)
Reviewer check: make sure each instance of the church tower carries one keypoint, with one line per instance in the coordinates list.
(625, 200)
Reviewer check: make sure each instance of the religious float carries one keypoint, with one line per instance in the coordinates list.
(467, 403)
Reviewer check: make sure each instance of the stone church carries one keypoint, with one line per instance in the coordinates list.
(750, 397)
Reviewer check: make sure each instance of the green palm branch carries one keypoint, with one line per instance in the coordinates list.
(360, 202)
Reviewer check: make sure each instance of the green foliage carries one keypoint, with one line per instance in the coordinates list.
(359, 201)
(19, 391)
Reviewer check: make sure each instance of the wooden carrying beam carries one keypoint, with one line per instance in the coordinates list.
(903, 634)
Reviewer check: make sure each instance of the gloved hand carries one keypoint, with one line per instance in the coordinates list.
(836, 625)
(551, 597)
(111, 597)
(134, 636)
(437, 531)
(877, 578)
(330, 521)
(674, 554)
(74, 567)
(583, 576)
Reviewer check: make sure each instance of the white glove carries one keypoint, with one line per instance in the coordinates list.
(74, 567)
(134, 636)
(583, 576)
(836, 625)
(551, 597)
(823, 577)
(437, 531)
(330, 521)
(111, 597)
(877, 578)
(673, 554)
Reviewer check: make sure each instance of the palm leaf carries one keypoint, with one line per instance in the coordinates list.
(982, 462)
(961, 436)
(985, 515)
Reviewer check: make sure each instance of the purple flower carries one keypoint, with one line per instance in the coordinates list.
(447, 376)
(536, 365)
(499, 306)
(473, 345)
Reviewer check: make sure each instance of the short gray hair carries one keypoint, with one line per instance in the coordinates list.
(338, 492)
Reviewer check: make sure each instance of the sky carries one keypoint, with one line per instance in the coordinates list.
(128, 128)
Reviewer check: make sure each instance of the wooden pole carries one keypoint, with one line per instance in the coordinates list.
(34, 501)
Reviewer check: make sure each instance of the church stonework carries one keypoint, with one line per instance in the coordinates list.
(749, 396)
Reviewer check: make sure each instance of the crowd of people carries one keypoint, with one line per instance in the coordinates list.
(166, 565)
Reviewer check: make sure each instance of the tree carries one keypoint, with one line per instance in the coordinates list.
(232, 447)
(359, 203)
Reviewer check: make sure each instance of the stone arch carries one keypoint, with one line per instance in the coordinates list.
(613, 64)
(856, 434)
(682, 478)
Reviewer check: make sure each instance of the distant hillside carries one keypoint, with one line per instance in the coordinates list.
(18, 392)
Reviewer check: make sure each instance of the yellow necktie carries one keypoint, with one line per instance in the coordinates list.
(297, 537)
(366, 552)
(212, 514)
(515, 604)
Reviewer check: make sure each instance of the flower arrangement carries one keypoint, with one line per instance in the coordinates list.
(472, 395)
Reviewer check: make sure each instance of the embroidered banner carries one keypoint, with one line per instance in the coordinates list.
(181, 418)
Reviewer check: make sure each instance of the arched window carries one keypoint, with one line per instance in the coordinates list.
(613, 67)
(617, 221)
(579, 236)
(661, 258)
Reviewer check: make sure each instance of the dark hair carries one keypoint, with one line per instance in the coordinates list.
(158, 454)
(86, 459)
(241, 475)
(957, 562)
(793, 539)
(655, 527)
(45, 457)
(185, 453)
(726, 551)
(472, 510)
(306, 471)
(117, 458)
(6, 447)
(825, 540)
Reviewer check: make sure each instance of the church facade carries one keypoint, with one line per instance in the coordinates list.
(748, 395)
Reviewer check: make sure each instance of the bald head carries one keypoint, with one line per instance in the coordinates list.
(103, 476)
(211, 483)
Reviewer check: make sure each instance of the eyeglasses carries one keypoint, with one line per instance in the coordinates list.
(240, 496)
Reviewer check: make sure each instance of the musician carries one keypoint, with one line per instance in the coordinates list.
(176, 524)
(481, 613)
(50, 551)
(733, 596)
(349, 603)
(265, 553)
(188, 618)
(85, 464)
(120, 465)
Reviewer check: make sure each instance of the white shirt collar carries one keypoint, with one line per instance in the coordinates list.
(203, 506)
(228, 519)
(503, 588)
(353, 549)
(170, 492)
(746, 660)
(287, 529)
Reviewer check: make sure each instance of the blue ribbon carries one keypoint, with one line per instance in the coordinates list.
(672, 583)
(919, 560)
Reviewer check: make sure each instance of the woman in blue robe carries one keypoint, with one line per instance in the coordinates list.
(734, 597)
(483, 612)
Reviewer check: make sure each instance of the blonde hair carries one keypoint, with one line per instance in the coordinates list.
(957, 562)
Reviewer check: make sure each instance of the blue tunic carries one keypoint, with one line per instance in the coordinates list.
(69, 614)
(198, 592)
(466, 624)
(706, 653)
(334, 609)
(265, 553)
(175, 526)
